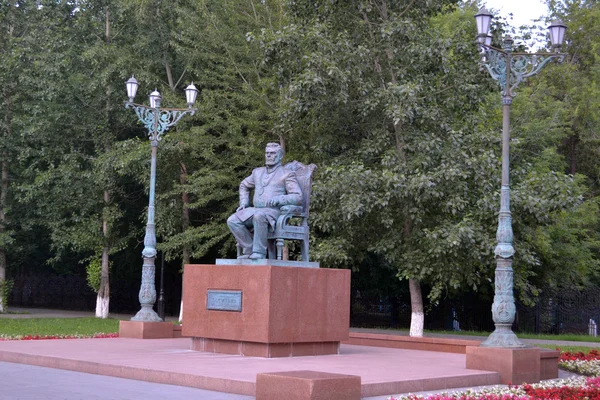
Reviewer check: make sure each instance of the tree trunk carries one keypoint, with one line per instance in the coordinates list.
(282, 143)
(185, 223)
(103, 298)
(417, 316)
(573, 154)
(416, 298)
(170, 77)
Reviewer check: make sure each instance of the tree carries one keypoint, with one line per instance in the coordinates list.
(24, 25)
(554, 123)
(390, 99)
(68, 180)
(202, 161)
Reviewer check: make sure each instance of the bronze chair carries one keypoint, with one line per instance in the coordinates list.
(283, 229)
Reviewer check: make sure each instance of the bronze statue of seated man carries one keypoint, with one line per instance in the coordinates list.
(274, 187)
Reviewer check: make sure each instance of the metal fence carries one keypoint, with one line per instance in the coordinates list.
(565, 310)
(557, 311)
(71, 292)
(561, 311)
(68, 292)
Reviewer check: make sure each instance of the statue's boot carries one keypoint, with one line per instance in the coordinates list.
(257, 256)
(245, 254)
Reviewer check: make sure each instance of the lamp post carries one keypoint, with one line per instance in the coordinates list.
(509, 69)
(157, 120)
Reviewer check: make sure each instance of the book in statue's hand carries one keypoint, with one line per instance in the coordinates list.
(245, 213)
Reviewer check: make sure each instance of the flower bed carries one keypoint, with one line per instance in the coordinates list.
(580, 363)
(563, 389)
(51, 337)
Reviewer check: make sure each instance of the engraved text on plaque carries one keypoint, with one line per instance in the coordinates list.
(224, 300)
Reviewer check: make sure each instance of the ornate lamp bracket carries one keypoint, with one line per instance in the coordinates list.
(504, 65)
(158, 120)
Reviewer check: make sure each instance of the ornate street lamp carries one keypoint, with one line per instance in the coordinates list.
(157, 120)
(509, 69)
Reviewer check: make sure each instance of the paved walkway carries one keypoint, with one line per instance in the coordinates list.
(16, 381)
(29, 382)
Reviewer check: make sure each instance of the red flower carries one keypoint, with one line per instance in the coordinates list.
(593, 354)
(54, 337)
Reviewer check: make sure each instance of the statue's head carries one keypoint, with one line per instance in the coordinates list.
(273, 154)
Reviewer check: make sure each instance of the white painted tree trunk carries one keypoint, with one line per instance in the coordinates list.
(102, 306)
(417, 317)
(103, 298)
(185, 223)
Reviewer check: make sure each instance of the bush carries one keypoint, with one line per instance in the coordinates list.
(5, 289)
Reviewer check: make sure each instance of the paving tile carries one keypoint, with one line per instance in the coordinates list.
(382, 370)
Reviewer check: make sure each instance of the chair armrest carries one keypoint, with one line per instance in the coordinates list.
(291, 209)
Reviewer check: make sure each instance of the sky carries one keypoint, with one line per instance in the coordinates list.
(523, 10)
(523, 13)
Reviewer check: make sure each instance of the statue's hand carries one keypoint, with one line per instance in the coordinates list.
(274, 202)
(240, 208)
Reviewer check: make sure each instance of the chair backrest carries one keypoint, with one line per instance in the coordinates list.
(304, 175)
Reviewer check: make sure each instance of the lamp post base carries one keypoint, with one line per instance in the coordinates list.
(147, 291)
(146, 314)
(146, 330)
(503, 336)
(514, 365)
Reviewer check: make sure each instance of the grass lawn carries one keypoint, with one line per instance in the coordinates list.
(568, 337)
(57, 326)
(571, 349)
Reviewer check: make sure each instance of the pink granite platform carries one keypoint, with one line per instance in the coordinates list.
(383, 371)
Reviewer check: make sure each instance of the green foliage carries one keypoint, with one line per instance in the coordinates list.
(205, 158)
(387, 101)
(57, 326)
(406, 133)
(93, 272)
(387, 119)
(568, 248)
(554, 126)
(5, 289)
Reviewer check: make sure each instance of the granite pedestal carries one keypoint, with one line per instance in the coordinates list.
(515, 365)
(266, 310)
(145, 330)
(307, 385)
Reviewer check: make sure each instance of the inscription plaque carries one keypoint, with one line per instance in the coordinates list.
(224, 300)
